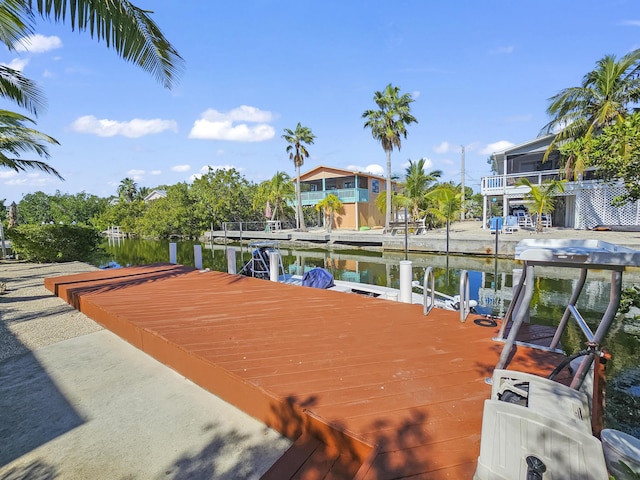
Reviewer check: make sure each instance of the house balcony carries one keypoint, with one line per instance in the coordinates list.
(346, 195)
(502, 184)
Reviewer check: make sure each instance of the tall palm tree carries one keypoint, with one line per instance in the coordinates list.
(543, 197)
(298, 152)
(128, 189)
(603, 98)
(388, 124)
(16, 139)
(417, 181)
(128, 29)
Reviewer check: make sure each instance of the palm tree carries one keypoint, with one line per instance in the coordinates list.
(128, 29)
(19, 89)
(281, 190)
(417, 182)
(16, 138)
(448, 201)
(142, 192)
(387, 125)
(543, 197)
(128, 189)
(397, 201)
(602, 99)
(120, 24)
(298, 152)
(331, 205)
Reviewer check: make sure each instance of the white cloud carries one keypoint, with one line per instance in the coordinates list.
(630, 23)
(8, 173)
(415, 94)
(499, 146)
(243, 113)
(137, 175)
(215, 125)
(133, 128)
(17, 64)
(428, 164)
(181, 168)
(38, 43)
(444, 147)
(155, 172)
(373, 169)
(505, 50)
(32, 179)
(205, 169)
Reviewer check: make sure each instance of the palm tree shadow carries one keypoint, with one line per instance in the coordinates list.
(229, 455)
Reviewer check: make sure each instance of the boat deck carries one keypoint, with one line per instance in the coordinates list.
(367, 388)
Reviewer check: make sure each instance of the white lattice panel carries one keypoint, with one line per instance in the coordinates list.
(594, 207)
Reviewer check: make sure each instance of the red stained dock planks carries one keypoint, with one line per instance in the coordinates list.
(388, 392)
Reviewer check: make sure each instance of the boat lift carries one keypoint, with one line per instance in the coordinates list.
(582, 254)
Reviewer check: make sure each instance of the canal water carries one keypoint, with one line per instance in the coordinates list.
(490, 283)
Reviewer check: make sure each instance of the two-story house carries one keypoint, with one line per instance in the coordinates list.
(356, 190)
(585, 202)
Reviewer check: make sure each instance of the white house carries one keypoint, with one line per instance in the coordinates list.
(155, 195)
(584, 204)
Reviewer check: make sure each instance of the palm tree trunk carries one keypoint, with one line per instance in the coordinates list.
(387, 215)
(301, 225)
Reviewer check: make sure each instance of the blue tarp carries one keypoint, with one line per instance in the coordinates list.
(318, 278)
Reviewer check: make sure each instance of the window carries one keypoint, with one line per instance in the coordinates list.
(375, 186)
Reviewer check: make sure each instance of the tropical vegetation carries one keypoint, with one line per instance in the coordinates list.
(447, 201)
(606, 96)
(542, 197)
(122, 26)
(297, 151)
(417, 184)
(388, 125)
(330, 205)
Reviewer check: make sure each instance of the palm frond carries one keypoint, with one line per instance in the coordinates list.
(16, 22)
(127, 29)
(25, 93)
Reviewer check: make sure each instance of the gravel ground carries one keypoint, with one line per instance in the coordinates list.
(32, 317)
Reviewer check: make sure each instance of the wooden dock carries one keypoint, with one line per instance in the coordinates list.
(367, 388)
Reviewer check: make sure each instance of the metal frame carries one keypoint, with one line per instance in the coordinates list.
(573, 254)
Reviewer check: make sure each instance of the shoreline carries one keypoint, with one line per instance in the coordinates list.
(465, 238)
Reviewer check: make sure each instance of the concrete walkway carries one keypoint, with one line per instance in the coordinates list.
(91, 406)
(96, 407)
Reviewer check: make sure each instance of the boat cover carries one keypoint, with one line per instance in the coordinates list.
(318, 278)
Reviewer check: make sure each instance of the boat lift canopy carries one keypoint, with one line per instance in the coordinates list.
(582, 254)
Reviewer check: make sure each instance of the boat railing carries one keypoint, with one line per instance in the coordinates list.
(430, 293)
(465, 308)
(429, 278)
(583, 255)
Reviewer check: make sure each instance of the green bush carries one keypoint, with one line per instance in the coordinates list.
(54, 243)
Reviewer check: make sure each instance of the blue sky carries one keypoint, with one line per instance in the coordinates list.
(480, 74)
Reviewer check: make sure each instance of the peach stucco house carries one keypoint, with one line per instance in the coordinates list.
(357, 191)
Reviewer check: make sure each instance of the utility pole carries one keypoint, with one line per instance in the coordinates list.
(462, 198)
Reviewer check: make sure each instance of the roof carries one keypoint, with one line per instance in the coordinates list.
(155, 195)
(335, 172)
(538, 144)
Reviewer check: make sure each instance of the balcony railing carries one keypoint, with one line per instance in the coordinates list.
(346, 195)
(502, 183)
